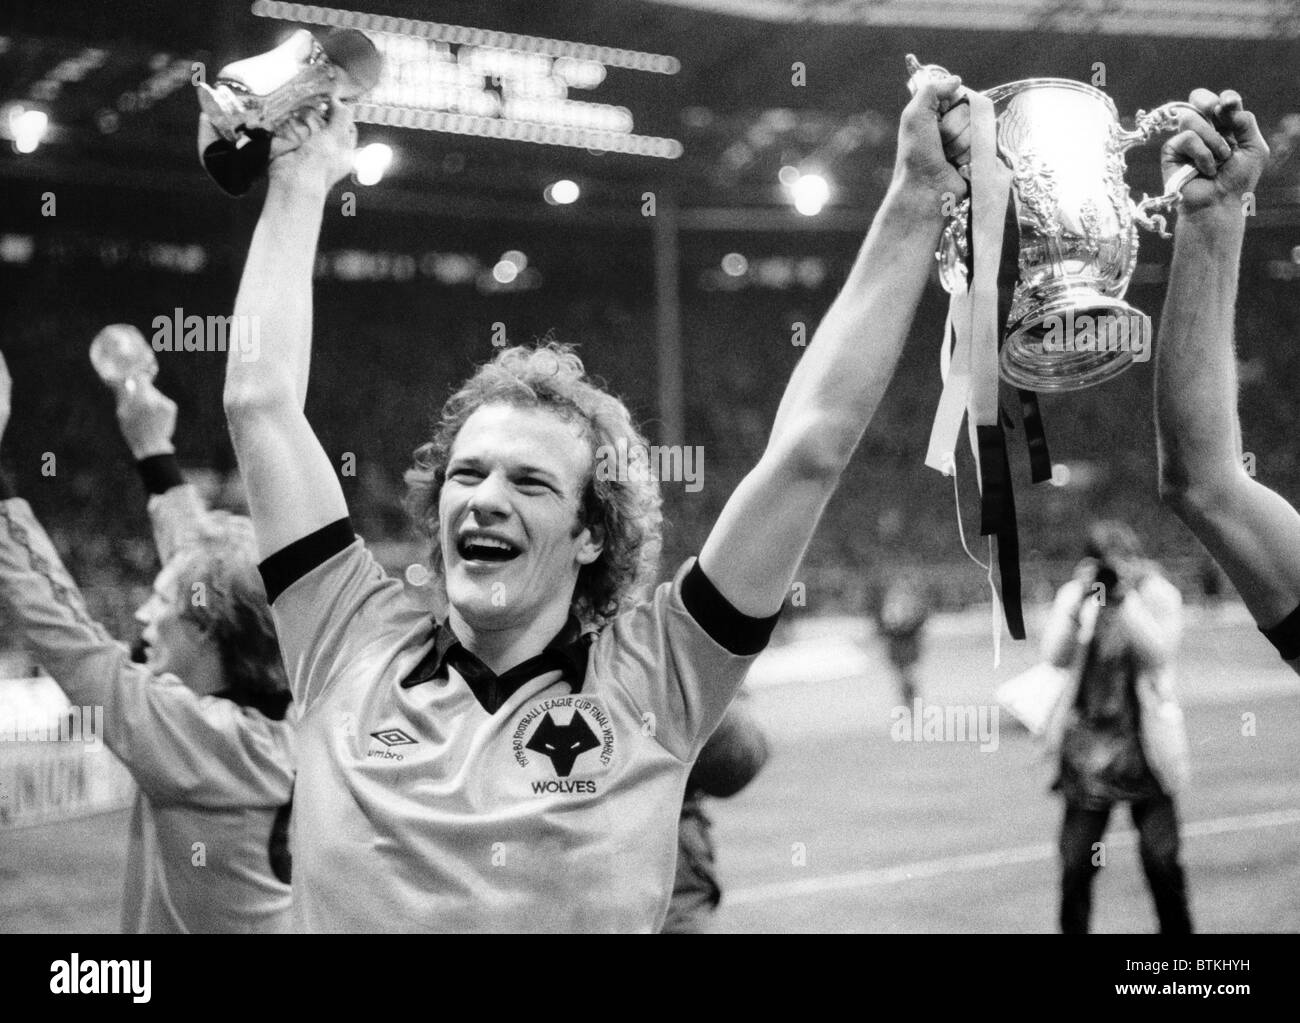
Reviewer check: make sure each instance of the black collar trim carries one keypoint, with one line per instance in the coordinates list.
(567, 652)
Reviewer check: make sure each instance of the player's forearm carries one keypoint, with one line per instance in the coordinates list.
(276, 293)
(839, 382)
(50, 613)
(1199, 438)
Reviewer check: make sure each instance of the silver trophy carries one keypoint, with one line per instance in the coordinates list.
(1068, 326)
(252, 98)
(120, 353)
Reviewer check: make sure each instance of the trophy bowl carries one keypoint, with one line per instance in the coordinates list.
(120, 353)
(252, 98)
(1068, 326)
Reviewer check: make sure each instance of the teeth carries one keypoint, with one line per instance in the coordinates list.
(470, 542)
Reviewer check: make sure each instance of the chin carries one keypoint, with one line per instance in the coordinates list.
(473, 602)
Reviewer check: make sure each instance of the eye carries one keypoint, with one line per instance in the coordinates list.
(533, 485)
(464, 474)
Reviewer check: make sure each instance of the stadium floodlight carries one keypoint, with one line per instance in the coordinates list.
(810, 193)
(734, 264)
(562, 192)
(370, 162)
(27, 127)
(490, 84)
(459, 35)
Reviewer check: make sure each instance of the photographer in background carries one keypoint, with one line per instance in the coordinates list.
(1117, 729)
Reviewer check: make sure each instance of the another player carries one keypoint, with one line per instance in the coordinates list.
(729, 761)
(520, 766)
(1252, 532)
(201, 726)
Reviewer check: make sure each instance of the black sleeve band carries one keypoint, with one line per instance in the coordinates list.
(160, 473)
(729, 628)
(289, 564)
(1285, 635)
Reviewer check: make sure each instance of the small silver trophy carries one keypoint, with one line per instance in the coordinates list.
(1064, 145)
(120, 353)
(252, 98)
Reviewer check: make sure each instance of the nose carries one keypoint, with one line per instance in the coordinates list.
(144, 614)
(490, 499)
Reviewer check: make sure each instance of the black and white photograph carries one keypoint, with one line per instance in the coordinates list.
(769, 467)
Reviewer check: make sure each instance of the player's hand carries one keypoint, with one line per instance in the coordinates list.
(6, 392)
(931, 146)
(1226, 147)
(147, 418)
(313, 147)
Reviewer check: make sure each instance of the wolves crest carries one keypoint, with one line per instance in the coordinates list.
(563, 743)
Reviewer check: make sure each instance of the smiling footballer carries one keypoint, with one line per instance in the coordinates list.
(520, 766)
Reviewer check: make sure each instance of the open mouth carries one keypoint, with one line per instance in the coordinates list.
(486, 548)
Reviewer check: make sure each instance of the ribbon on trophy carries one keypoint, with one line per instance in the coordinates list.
(968, 363)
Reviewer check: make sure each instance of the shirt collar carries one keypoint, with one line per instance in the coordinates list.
(567, 651)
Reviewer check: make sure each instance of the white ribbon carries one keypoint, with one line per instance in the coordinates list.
(968, 353)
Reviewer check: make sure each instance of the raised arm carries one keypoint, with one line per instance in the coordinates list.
(147, 419)
(292, 486)
(175, 743)
(756, 546)
(1251, 531)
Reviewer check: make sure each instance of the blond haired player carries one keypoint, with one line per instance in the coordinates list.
(520, 765)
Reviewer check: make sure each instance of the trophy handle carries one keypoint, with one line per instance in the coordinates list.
(915, 67)
(1151, 212)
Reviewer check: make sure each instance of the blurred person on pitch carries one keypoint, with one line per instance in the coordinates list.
(901, 616)
(201, 724)
(521, 764)
(1117, 732)
(729, 761)
(1253, 532)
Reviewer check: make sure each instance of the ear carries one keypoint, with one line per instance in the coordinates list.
(591, 543)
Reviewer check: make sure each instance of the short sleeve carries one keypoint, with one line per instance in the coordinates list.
(328, 618)
(671, 668)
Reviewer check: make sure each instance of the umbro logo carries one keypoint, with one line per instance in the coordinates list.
(393, 737)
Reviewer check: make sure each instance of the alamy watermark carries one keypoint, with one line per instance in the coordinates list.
(1084, 332)
(76, 724)
(194, 333)
(938, 722)
(623, 462)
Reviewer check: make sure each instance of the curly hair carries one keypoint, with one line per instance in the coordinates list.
(625, 512)
(220, 588)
